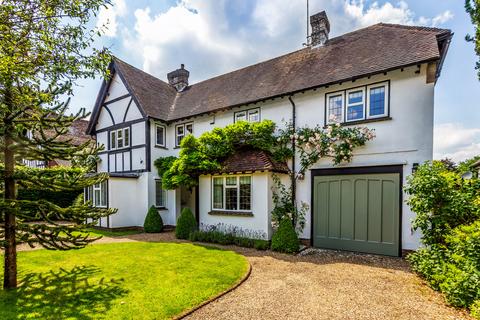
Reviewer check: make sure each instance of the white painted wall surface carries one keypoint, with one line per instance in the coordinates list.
(261, 183)
(116, 89)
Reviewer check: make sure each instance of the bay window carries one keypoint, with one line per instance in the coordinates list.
(232, 193)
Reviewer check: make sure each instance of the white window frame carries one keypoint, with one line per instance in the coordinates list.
(348, 104)
(184, 126)
(164, 128)
(387, 102)
(246, 114)
(164, 195)
(237, 186)
(115, 138)
(89, 194)
(327, 105)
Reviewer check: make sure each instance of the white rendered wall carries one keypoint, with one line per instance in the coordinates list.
(116, 89)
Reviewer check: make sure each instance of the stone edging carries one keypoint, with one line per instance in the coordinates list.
(221, 294)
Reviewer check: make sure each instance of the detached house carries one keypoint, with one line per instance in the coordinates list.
(382, 77)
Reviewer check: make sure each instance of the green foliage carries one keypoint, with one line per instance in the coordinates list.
(466, 165)
(442, 200)
(186, 224)
(284, 207)
(473, 9)
(453, 267)
(60, 198)
(163, 164)
(285, 238)
(228, 239)
(475, 309)
(153, 221)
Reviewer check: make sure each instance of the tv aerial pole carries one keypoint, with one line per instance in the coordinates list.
(307, 43)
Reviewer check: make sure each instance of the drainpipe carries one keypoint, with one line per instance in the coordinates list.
(292, 174)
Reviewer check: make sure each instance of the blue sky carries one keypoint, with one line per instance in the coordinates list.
(212, 37)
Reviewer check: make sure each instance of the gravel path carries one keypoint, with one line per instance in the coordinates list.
(323, 285)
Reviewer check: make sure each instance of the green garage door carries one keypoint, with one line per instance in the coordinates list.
(357, 213)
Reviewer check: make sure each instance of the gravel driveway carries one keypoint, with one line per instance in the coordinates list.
(323, 285)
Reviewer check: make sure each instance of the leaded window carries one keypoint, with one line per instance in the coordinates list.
(232, 193)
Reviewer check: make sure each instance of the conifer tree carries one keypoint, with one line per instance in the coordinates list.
(45, 48)
(473, 9)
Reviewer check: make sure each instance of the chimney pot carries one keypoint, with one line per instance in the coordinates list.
(320, 29)
(179, 78)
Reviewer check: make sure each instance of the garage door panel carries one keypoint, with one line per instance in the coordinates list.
(361, 209)
(334, 209)
(357, 212)
(374, 210)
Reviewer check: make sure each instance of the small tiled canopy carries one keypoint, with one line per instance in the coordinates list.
(251, 160)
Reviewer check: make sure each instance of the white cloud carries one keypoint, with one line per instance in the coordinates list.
(390, 13)
(107, 17)
(453, 140)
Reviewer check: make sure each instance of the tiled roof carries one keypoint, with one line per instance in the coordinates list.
(372, 50)
(250, 160)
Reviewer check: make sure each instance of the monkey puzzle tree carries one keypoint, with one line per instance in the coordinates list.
(473, 9)
(45, 47)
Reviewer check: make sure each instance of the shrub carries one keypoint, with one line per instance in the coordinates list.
(186, 224)
(475, 309)
(261, 244)
(153, 221)
(285, 239)
(453, 267)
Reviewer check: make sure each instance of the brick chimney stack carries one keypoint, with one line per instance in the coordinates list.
(179, 78)
(320, 29)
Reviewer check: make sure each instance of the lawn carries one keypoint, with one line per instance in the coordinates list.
(109, 233)
(119, 281)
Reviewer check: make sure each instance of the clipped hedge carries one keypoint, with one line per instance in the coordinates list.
(285, 239)
(229, 239)
(186, 224)
(454, 267)
(153, 221)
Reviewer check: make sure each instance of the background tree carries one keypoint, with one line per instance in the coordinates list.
(45, 47)
(473, 9)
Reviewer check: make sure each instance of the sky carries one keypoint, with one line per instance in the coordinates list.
(212, 37)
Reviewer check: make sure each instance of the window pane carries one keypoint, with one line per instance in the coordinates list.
(241, 116)
(180, 130)
(245, 193)
(355, 97)
(231, 198)
(103, 201)
(218, 193)
(355, 112)
(96, 196)
(335, 105)
(120, 138)
(189, 128)
(231, 181)
(126, 138)
(160, 194)
(113, 140)
(160, 136)
(377, 101)
(254, 116)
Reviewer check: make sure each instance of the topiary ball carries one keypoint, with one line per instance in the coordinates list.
(186, 224)
(153, 221)
(285, 239)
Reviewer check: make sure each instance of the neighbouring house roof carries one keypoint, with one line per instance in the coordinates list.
(251, 160)
(476, 164)
(371, 50)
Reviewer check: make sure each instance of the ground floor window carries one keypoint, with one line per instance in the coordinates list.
(233, 193)
(98, 194)
(160, 194)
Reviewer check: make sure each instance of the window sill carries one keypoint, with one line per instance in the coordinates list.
(352, 123)
(160, 147)
(177, 147)
(231, 213)
(161, 208)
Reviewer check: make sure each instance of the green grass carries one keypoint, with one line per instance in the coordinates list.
(109, 233)
(119, 281)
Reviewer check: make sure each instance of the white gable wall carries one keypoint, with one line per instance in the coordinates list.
(117, 88)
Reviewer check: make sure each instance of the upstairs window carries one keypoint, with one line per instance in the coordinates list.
(120, 138)
(357, 104)
(376, 97)
(160, 135)
(232, 193)
(181, 131)
(252, 115)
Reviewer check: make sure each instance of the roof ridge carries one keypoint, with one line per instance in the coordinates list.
(138, 69)
(414, 27)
